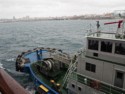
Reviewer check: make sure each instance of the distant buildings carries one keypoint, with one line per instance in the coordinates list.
(75, 17)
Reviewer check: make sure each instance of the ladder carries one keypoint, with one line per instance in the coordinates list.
(71, 69)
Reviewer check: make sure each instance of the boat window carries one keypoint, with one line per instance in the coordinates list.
(120, 48)
(79, 88)
(93, 44)
(106, 46)
(90, 67)
(95, 54)
(73, 85)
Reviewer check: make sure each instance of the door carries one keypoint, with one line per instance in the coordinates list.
(119, 79)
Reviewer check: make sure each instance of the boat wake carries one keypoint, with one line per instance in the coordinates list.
(30, 88)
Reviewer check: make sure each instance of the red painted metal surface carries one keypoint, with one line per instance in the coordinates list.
(119, 23)
(9, 86)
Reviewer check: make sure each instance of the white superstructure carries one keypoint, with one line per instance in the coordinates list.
(101, 66)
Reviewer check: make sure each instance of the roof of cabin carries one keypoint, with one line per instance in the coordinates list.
(104, 35)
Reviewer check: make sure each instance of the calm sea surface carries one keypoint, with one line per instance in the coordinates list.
(67, 35)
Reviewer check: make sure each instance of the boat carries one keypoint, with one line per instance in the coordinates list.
(46, 66)
(97, 69)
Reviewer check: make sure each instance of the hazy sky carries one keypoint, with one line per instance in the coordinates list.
(46, 8)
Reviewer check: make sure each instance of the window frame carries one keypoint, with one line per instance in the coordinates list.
(119, 50)
(93, 44)
(90, 67)
(107, 48)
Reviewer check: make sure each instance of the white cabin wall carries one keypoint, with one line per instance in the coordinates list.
(81, 65)
(107, 56)
(108, 73)
(82, 68)
(105, 71)
(99, 69)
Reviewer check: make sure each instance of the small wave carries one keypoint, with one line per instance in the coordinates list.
(10, 59)
(30, 89)
(1, 66)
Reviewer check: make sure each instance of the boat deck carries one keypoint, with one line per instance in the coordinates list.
(46, 80)
(30, 61)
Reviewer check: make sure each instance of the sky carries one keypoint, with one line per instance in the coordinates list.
(57, 8)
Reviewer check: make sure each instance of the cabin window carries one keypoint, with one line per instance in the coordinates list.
(93, 44)
(106, 46)
(90, 67)
(120, 48)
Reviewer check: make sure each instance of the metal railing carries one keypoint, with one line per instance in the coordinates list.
(102, 86)
(61, 57)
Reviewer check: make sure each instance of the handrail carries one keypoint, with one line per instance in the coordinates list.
(105, 87)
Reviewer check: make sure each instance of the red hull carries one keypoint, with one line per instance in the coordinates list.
(9, 86)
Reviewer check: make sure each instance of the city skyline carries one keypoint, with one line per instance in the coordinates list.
(53, 8)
